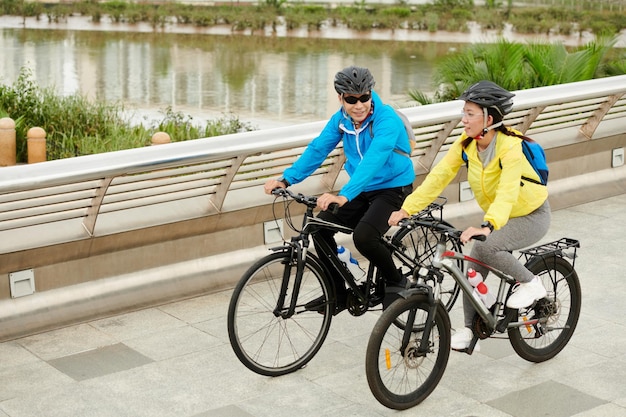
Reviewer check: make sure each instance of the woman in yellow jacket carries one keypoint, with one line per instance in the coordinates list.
(517, 213)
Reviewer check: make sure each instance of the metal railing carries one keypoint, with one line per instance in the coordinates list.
(76, 199)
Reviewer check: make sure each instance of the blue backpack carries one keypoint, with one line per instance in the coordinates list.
(537, 158)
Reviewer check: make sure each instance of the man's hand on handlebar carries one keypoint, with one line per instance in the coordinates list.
(326, 199)
(396, 216)
(271, 185)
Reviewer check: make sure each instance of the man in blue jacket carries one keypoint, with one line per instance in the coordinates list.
(377, 148)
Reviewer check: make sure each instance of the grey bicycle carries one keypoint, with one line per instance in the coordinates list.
(409, 347)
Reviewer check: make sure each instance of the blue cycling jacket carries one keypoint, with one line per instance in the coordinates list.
(376, 153)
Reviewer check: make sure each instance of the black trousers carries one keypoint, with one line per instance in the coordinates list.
(368, 216)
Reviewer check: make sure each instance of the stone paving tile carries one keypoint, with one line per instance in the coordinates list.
(546, 399)
(99, 362)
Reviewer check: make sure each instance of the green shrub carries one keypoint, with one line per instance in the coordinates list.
(76, 126)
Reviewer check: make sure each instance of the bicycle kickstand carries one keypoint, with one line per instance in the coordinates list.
(470, 349)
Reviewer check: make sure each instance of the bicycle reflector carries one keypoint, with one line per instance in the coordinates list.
(388, 359)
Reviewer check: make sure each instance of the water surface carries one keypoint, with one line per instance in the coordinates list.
(258, 78)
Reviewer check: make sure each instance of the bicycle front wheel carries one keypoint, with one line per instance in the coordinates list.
(556, 315)
(264, 335)
(420, 244)
(399, 375)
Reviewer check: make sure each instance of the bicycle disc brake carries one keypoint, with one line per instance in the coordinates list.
(412, 359)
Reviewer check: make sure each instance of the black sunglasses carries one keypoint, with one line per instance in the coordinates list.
(352, 100)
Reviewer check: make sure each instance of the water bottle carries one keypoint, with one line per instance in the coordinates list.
(482, 292)
(474, 277)
(352, 264)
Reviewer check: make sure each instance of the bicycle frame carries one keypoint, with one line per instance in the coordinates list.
(300, 245)
(490, 317)
(439, 261)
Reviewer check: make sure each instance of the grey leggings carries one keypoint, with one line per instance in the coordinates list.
(517, 233)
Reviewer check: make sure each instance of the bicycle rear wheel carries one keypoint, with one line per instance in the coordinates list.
(557, 314)
(265, 338)
(420, 244)
(398, 375)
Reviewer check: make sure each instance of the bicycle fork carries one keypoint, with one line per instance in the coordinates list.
(424, 342)
(296, 256)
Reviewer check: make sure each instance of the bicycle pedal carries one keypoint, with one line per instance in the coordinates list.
(473, 347)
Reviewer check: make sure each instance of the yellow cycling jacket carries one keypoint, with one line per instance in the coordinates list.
(498, 188)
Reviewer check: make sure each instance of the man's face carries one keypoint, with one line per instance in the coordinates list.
(358, 106)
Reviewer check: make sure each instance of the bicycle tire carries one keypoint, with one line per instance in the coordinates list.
(420, 244)
(560, 311)
(264, 341)
(402, 380)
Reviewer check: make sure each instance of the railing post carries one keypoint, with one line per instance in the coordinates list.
(7, 142)
(159, 138)
(36, 144)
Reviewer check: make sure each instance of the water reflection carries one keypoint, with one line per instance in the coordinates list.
(254, 77)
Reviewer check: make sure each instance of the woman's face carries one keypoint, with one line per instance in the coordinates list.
(473, 120)
(355, 107)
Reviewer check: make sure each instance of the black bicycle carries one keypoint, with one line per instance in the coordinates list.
(409, 346)
(281, 309)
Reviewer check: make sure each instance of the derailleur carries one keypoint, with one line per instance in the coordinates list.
(545, 308)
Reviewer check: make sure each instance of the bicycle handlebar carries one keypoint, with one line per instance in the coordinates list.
(424, 219)
(308, 200)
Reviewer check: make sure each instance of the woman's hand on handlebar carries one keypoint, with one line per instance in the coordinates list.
(396, 216)
(326, 199)
(471, 231)
(271, 185)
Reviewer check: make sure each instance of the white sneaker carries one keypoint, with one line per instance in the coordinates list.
(462, 338)
(526, 293)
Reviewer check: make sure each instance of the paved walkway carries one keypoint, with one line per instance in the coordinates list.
(175, 360)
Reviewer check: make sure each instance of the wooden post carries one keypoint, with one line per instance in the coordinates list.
(36, 144)
(159, 138)
(7, 142)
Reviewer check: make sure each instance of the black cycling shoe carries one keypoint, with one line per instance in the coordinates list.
(393, 290)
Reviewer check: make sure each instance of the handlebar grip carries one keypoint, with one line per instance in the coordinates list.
(404, 222)
(482, 238)
(333, 208)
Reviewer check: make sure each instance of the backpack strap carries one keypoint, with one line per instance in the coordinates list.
(528, 153)
(409, 131)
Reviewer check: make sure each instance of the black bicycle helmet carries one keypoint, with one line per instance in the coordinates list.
(490, 95)
(354, 80)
